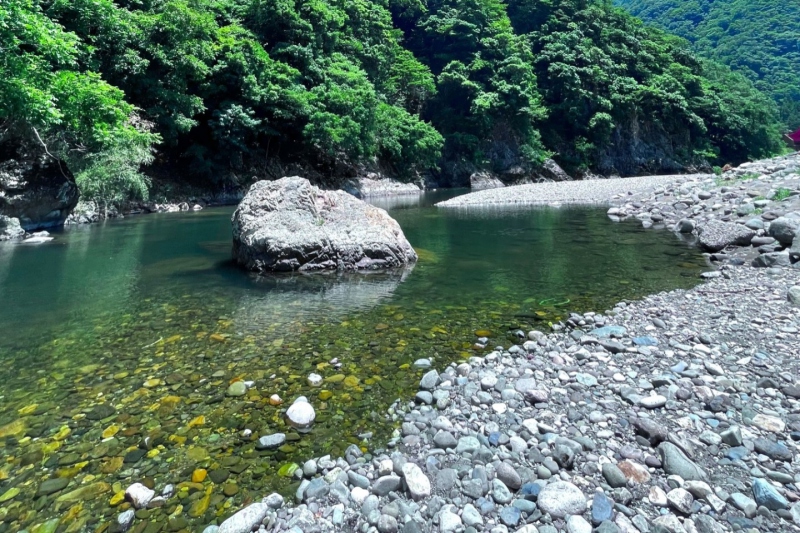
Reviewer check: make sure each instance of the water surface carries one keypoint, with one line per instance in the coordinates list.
(119, 341)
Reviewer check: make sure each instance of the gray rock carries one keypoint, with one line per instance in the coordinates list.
(732, 436)
(289, 224)
(685, 225)
(675, 462)
(245, 520)
(10, 228)
(561, 499)
(449, 522)
(578, 524)
(317, 489)
(681, 500)
(479, 181)
(471, 516)
(794, 295)
(772, 259)
(386, 484)
(445, 440)
(743, 503)
(125, 520)
(614, 476)
(500, 492)
(429, 380)
(273, 501)
(468, 444)
(269, 442)
(716, 235)
(387, 524)
(509, 476)
(784, 229)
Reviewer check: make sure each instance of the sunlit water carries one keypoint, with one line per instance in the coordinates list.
(147, 318)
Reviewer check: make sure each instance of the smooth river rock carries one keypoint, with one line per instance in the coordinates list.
(561, 499)
(245, 520)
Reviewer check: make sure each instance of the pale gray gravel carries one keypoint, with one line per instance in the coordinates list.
(565, 192)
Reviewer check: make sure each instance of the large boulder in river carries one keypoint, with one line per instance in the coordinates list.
(289, 224)
(35, 188)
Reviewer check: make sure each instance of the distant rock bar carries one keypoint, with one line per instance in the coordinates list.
(599, 191)
(291, 225)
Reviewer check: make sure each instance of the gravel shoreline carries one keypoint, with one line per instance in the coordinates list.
(677, 413)
(590, 192)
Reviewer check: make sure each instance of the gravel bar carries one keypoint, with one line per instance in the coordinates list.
(573, 192)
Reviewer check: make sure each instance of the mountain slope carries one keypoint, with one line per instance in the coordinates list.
(759, 38)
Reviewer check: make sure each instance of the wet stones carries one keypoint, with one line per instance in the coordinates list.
(271, 442)
(139, 495)
(99, 412)
(49, 486)
(301, 414)
(237, 388)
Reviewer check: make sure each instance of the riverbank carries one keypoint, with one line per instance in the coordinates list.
(677, 413)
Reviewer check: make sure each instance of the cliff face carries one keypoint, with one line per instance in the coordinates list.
(641, 148)
(36, 188)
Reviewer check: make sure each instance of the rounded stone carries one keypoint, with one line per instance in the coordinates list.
(301, 414)
(561, 498)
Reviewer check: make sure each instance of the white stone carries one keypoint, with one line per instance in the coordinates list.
(245, 520)
(561, 499)
(301, 414)
(359, 495)
(449, 522)
(653, 402)
(314, 380)
(139, 495)
(418, 483)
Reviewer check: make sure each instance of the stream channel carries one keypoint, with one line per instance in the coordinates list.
(118, 342)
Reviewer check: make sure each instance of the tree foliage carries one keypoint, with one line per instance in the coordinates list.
(412, 85)
(757, 38)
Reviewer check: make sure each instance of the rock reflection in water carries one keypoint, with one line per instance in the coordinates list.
(289, 297)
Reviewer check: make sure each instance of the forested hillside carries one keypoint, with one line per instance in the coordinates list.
(221, 90)
(759, 38)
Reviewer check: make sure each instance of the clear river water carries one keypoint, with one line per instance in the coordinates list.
(118, 342)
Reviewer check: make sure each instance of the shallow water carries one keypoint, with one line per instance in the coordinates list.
(119, 341)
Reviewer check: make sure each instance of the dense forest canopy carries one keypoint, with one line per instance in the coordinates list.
(225, 88)
(759, 38)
